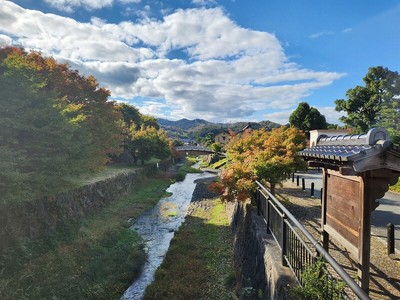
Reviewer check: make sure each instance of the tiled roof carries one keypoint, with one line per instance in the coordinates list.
(347, 148)
(339, 153)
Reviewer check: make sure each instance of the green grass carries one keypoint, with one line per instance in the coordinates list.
(107, 172)
(96, 258)
(199, 262)
(187, 168)
(219, 164)
(396, 187)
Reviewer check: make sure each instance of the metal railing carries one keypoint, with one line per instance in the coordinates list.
(299, 248)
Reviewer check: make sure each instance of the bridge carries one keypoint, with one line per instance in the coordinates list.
(193, 150)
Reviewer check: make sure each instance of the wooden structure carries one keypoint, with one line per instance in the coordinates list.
(357, 170)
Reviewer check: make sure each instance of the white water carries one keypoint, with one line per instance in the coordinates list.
(157, 227)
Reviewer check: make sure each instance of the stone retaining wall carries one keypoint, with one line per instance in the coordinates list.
(33, 218)
(257, 256)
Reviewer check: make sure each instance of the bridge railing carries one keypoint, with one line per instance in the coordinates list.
(299, 248)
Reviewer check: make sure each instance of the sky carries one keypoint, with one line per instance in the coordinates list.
(222, 61)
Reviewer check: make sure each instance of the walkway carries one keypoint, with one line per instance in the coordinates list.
(385, 271)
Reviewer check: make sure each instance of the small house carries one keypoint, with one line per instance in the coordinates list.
(222, 138)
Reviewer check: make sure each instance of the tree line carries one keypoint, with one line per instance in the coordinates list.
(376, 103)
(57, 124)
(270, 156)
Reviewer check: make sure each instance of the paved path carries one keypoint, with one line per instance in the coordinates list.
(387, 212)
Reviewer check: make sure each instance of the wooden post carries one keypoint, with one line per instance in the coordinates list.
(365, 231)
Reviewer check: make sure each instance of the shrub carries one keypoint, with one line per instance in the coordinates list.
(317, 284)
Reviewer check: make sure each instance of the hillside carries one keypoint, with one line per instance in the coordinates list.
(198, 128)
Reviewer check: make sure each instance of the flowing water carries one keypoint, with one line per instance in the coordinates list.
(157, 227)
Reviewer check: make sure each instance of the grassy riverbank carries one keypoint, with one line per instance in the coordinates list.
(199, 262)
(94, 259)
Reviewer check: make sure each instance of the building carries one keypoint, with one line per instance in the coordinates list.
(222, 138)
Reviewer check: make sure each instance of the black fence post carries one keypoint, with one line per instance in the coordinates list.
(256, 196)
(303, 184)
(390, 238)
(292, 177)
(268, 214)
(284, 233)
(312, 189)
(298, 180)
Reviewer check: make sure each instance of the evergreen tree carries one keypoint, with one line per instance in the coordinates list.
(307, 118)
(373, 104)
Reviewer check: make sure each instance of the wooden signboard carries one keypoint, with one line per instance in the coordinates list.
(343, 209)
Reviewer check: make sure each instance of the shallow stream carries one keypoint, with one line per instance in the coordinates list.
(157, 227)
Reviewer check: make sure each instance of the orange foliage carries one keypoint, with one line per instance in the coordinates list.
(263, 156)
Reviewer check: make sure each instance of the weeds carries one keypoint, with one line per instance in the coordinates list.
(96, 258)
(199, 262)
(317, 284)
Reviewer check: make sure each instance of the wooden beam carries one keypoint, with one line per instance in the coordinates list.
(365, 231)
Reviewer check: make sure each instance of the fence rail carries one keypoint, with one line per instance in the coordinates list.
(298, 247)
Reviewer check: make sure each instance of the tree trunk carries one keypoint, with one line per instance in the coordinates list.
(272, 187)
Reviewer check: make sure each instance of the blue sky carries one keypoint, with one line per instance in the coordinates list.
(225, 61)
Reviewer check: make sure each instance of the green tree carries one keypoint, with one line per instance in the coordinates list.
(149, 142)
(130, 114)
(79, 97)
(39, 146)
(369, 105)
(307, 118)
(390, 119)
(216, 147)
(150, 121)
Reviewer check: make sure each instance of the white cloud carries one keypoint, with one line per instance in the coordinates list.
(280, 117)
(321, 33)
(332, 116)
(71, 5)
(225, 71)
(204, 2)
(130, 1)
(153, 108)
(5, 40)
(347, 30)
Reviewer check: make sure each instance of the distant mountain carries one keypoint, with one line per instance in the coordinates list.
(184, 124)
(198, 128)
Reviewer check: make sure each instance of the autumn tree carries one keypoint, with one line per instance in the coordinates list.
(80, 98)
(277, 158)
(39, 146)
(263, 156)
(374, 103)
(307, 118)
